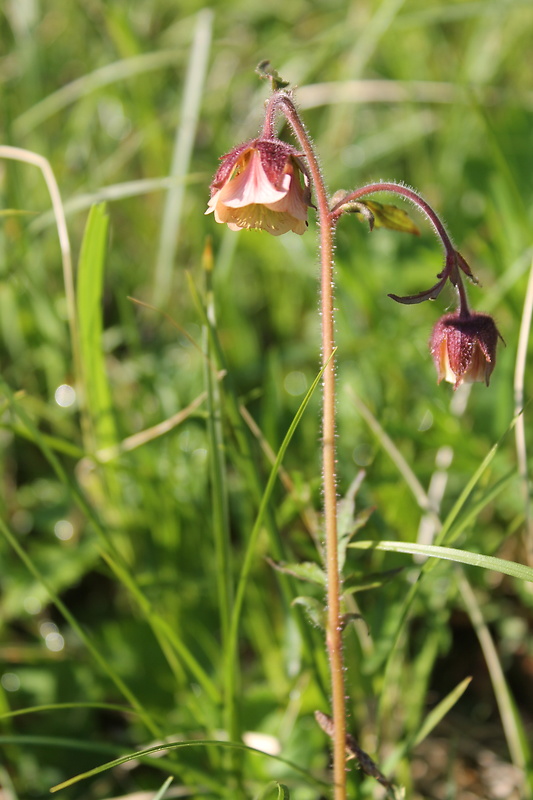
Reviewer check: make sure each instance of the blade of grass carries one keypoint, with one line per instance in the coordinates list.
(181, 745)
(430, 723)
(472, 514)
(163, 790)
(219, 502)
(417, 490)
(219, 490)
(511, 568)
(112, 193)
(98, 424)
(193, 93)
(520, 430)
(440, 711)
(377, 26)
(28, 157)
(20, 712)
(149, 434)
(81, 87)
(467, 491)
(83, 745)
(307, 514)
(53, 442)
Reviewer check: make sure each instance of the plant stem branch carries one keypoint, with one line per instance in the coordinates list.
(452, 257)
(409, 194)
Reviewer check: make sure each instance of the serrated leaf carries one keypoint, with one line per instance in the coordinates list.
(314, 610)
(388, 216)
(305, 571)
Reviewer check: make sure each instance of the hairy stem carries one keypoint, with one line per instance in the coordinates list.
(409, 194)
(282, 102)
(452, 256)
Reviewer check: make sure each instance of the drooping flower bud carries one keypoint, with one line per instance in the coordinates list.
(464, 348)
(261, 184)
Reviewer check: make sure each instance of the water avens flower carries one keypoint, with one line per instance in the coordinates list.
(265, 184)
(464, 348)
(261, 184)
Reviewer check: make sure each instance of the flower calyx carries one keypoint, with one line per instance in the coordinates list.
(464, 348)
(454, 263)
(262, 184)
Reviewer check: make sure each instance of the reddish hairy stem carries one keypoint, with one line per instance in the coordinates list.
(282, 102)
(464, 308)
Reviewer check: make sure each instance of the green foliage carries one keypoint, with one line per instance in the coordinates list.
(161, 541)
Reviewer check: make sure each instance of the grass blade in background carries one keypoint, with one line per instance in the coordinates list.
(187, 745)
(452, 554)
(220, 511)
(96, 401)
(181, 157)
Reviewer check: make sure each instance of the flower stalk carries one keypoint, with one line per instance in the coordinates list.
(280, 101)
(334, 590)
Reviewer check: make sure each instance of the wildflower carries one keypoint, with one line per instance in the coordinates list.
(464, 348)
(259, 185)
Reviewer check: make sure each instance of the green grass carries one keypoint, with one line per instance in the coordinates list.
(139, 600)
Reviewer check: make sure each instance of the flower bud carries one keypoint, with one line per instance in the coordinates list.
(259, 185)
(464, 348)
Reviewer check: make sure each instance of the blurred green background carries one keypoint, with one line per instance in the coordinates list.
(132, 104)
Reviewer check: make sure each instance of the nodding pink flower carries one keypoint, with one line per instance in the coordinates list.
(261, 184)
(464, 348)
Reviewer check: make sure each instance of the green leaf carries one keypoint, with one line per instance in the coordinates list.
(283, 792)
(314, 610)
(384, 215)
(304, 571)
(265, 70)
(511, 568)
(347, 520)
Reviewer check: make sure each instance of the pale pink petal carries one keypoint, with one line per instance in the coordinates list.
(258, 217)
(251, 186)
(294, 202)
(212, 203)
